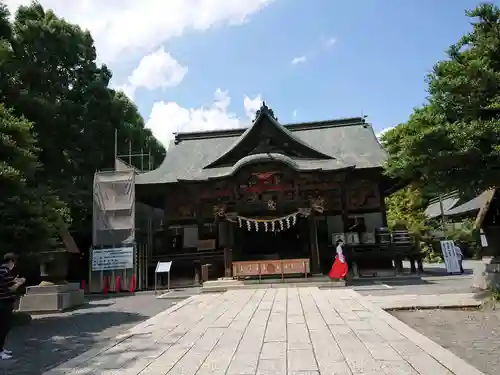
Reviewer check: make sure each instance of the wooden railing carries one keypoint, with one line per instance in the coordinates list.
(253, 268)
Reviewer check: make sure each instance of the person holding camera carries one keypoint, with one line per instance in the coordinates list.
(9, 284)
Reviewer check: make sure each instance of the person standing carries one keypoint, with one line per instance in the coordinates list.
(339, 269)
(8, 287)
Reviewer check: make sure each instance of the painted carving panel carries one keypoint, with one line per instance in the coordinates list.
(363, 195)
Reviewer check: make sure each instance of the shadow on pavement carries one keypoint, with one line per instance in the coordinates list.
(51, 340)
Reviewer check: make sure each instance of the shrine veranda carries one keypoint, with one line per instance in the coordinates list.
(275, 195)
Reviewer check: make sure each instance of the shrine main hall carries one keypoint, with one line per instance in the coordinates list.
(270, 199)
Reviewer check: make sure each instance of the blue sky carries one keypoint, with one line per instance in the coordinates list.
(376, 67)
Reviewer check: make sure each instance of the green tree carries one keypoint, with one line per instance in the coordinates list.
(31, 215)
(453, 142)
(406, 207)
(49, 75)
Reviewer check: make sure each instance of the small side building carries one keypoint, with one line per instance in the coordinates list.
(485, 208)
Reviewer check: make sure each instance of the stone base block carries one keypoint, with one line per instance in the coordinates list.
(51, 298)
(225, 284)
(486, 274)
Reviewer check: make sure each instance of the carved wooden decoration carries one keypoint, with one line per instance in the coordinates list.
(219, 210)
(333, 200)
(318, 204)
(363, 195)
(186, 211)
(271, 205)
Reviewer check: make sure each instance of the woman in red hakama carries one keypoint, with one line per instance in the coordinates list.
(339, 268)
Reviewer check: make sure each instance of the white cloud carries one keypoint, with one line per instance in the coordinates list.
(299, 60)
(314, 52)
(252, 105)
(127, 30)
(132, 28)
(168, 118)
(158, 70)
(128, 89)
(330, 42)
(383, 131)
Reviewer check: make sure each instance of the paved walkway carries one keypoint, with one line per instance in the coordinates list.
(295, 331)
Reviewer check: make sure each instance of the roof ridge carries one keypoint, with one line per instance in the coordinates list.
(235, 132)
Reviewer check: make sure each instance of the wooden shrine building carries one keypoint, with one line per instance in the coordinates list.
(276, 195)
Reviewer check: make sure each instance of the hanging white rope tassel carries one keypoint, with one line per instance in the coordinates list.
(273, 226)
(239, 222)
(288, 222)
(282, 225)
(249, 226)
(294, 219)
(256, 226)
(265, 225)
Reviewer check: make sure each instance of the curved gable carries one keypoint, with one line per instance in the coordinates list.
(266, 135)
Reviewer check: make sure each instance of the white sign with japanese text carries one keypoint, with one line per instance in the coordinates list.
(118, 258)
(450, 256)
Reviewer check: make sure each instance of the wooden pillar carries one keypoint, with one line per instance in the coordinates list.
(166, 224)
(383, 208)
(345, 217)
(343, 203)
(313, 244)
(200, 222)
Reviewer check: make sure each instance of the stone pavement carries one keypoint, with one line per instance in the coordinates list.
(295, 331)
(52, 339)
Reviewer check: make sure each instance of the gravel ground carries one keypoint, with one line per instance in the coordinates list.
(472, 335)
(50, 340)
(419, 286)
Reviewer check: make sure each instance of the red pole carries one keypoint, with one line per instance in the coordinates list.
(118, 284)
(105, 289)
(83, 285)
(132, 284)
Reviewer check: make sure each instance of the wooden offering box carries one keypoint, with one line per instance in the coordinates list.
(271, 267)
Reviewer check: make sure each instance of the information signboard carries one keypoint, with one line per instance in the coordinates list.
(118, 258)
(163, 267)
(450, 256)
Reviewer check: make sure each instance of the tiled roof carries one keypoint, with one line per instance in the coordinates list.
(433, 210)
(474, 204)
(349, 143)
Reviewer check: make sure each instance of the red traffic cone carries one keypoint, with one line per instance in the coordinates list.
(105, 288)
(132, 284)
(118, 284)
(83, 285)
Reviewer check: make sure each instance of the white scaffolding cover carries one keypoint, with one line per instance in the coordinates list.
(114, 208)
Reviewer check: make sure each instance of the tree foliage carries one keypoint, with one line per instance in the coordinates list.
(30, 213)
(406, 207)
(453, 142)
(50, 78)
